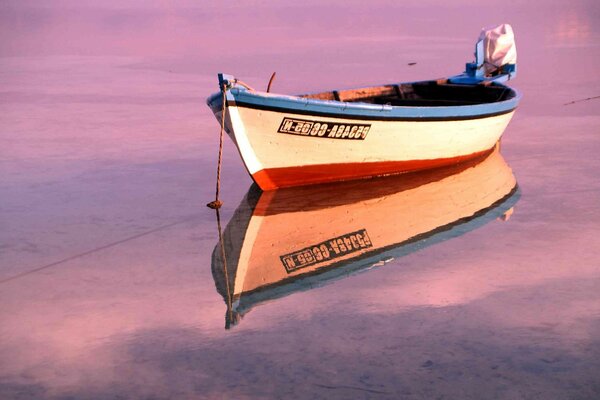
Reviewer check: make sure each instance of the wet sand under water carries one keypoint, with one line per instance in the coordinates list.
(108, 159)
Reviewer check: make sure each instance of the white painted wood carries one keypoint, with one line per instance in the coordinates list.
(262, 146)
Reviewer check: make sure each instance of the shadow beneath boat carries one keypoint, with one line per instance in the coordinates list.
(289, 240)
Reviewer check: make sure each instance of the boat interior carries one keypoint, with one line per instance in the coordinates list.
(421, 94)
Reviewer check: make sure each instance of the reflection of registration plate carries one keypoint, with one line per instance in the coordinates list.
(304, 127)
(327, 250)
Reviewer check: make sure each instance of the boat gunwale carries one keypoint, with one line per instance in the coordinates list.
(238, 97)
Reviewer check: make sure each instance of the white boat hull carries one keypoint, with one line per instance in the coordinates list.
(282, 149)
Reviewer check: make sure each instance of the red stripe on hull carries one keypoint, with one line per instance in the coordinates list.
(275, 178)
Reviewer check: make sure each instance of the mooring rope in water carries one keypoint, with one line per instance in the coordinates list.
(226, 272)
(216, 204)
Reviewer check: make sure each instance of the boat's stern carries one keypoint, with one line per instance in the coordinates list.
(495, 58)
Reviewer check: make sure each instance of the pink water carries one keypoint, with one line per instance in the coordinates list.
(108, 157)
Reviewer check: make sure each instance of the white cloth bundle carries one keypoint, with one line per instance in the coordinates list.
(499, 47)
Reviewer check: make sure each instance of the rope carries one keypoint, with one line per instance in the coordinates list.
(229, 316)
(216, 204)
(271, 82)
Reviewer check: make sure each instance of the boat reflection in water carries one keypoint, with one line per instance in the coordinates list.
(289, 240)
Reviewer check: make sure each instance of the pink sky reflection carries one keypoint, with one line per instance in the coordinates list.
(107, 137)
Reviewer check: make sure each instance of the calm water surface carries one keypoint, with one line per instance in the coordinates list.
(112, 283)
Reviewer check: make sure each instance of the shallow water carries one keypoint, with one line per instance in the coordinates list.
(107, 282)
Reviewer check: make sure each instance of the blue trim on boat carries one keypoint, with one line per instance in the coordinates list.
(350, 110)
(367, 117)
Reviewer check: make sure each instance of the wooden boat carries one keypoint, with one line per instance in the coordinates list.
(280, 242)
(347, 134)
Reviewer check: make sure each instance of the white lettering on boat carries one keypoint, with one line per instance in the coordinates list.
(327, 250)
(304, 127)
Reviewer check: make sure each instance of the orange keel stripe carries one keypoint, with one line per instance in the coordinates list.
(275, 178)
